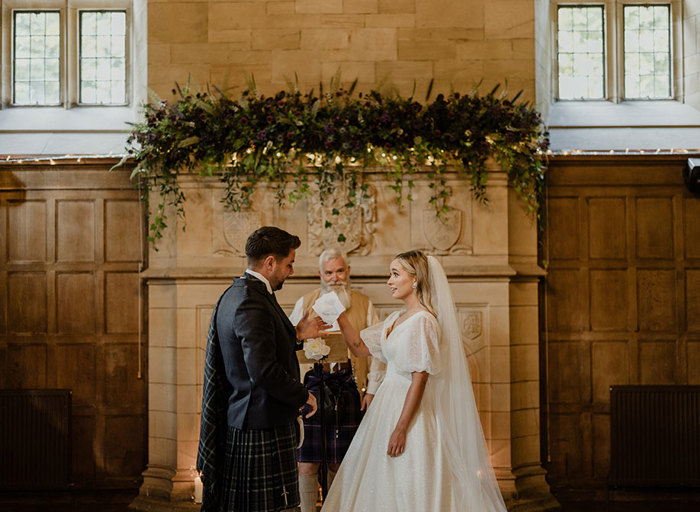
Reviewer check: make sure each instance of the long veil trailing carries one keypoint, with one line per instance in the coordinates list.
(465, 445)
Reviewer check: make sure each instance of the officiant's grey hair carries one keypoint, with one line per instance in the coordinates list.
(330, 254)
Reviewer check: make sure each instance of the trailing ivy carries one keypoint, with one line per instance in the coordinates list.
(291, 138)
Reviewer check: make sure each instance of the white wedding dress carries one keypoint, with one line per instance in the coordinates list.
(445, 466)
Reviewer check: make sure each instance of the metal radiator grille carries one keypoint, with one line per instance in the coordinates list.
(655, 436)
(35, 439)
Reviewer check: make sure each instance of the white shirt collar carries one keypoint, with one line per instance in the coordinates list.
(262, 278)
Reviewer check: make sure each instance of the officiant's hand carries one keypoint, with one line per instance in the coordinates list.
(397, 442)
(311, 327)
(310, 405)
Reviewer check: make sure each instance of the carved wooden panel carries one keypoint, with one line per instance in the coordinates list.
(70, 247)
(656, 296)
(75, 367)
(26, 231)
(563, 225)
(691, 227)
(654, 227)
(26, 293)
(122, 218)
(692, 298)
(566, 311)
(622, 298)
(121, 293)
(607, 234)
(75, 304)
(75, 229)
(609, 366)
(609, 300)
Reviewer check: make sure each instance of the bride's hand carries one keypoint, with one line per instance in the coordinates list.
(397, 442)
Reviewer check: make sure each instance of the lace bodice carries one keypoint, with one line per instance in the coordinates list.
(411, 346)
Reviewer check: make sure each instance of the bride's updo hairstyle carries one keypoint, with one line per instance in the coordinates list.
(416, 264)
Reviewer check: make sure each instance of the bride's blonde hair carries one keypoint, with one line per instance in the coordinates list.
(416, 264)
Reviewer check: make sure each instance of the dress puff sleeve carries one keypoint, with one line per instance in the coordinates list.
(372, 337)
(420, 345)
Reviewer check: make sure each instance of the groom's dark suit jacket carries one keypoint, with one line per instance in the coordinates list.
(258, 345)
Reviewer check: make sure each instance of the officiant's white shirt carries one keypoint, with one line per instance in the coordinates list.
(376, 367)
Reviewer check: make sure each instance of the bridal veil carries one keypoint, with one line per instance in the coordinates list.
(465, 445)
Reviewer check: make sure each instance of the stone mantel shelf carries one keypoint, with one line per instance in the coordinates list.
(453, 271)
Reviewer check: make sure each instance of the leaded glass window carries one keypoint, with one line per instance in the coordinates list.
(36, 74)
(580, 52)
(103, 57)
(647, 48)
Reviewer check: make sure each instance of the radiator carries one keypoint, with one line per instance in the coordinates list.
(35, 439)
(655, 436)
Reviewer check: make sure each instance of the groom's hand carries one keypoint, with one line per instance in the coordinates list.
(311, 402)
(311, 327)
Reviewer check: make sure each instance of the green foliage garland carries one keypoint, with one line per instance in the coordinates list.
(290, 138)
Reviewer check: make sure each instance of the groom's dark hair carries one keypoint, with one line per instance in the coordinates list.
(269, 240)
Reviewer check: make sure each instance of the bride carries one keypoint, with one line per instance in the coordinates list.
(420, 446)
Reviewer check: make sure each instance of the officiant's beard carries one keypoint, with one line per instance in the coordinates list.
(341, 289)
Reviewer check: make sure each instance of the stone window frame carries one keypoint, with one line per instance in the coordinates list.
(70, 47)
(613, 38)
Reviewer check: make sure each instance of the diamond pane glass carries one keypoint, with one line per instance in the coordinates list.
(36, 49)
(647, 48)
(102, 52)
(580, 52)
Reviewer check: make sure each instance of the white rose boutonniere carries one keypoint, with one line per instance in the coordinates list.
(316, 348)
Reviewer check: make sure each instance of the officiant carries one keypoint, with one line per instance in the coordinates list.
(350, 385)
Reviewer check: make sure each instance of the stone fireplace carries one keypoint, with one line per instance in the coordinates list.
(489, 252)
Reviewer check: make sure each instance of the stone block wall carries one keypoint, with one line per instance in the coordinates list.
(691, 52)
(398, 43)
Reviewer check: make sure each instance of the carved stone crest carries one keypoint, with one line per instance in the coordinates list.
(334, 223)
(237, 226)
(471, 324)
(443, 232)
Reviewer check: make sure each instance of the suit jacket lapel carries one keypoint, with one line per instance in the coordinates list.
(261, 288)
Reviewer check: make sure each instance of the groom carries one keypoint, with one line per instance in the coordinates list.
(252, 394)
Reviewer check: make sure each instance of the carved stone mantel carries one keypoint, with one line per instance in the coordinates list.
(489, 252)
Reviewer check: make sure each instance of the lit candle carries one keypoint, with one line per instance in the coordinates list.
(198, 488)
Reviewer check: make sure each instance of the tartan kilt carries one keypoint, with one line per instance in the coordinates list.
(343, 416)
(260, 466)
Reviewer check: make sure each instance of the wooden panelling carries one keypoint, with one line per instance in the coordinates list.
(75, 230)
(609, 298)
(622, 300)
(121, 302)
(564, 228)
(654, 227)
(607, 233)
(70, 252)
(121, 218)
(26, 366)
(656, 296)
(691, 225)
(76, 303)
(657, 362)
(566, 311)
(125, 453)
(565, 372)
(75, 369)
(26, 292)
(121, 388)
(26, 239)
(692, 299)
(609, 366)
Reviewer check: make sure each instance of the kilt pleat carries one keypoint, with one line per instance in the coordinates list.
(261, 469)
(343, 417)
